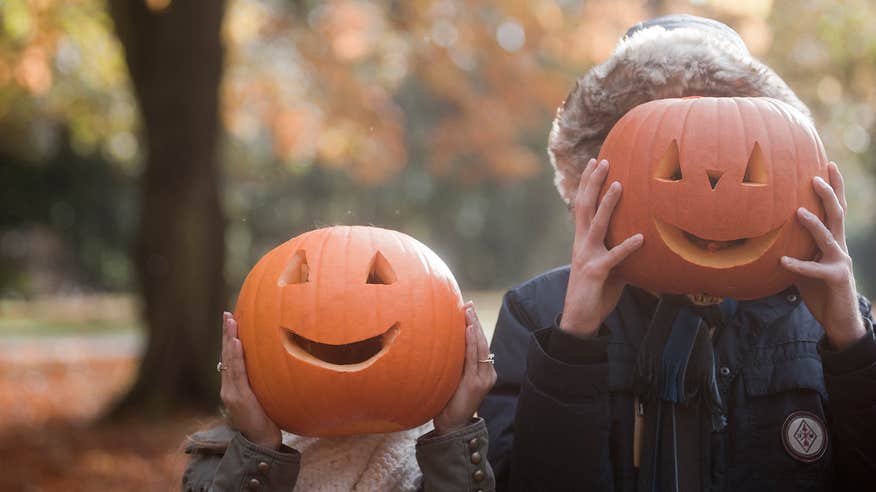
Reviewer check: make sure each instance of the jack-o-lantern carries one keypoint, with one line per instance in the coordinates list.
(713, 183)
(350, 330)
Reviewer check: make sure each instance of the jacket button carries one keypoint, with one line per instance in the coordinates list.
(725, 371)
(473, 444)
(254, 484)
(478, 475)
(792, 297)
(264, 467)
(476, 458)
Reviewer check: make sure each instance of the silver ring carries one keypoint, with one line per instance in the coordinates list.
(491, 359)
(221, 367)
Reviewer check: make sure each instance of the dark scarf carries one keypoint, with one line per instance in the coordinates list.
(677, 386)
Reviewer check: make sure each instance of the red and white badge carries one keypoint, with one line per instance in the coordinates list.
(804, 436)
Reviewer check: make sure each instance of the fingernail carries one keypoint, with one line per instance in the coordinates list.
(820, 181)
(615, 186)
(639, 238)
(786, 260)
(802, 210)
(603, 163)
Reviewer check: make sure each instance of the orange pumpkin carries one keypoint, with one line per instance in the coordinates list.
(350, 330)
(714, 185)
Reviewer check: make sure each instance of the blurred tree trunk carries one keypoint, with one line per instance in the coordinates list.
(174, 57)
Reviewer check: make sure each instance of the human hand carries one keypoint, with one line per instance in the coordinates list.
(594, 289)
(827, 284)
(477, 378)
(244, 411)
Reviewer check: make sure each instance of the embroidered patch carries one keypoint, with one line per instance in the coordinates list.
(804, 436)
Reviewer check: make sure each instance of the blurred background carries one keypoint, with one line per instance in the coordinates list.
(152, 150)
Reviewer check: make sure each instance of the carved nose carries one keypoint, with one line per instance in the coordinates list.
(714, 177)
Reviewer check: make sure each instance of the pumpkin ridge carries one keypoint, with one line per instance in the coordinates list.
(776, 201)
(253, 369)
(628, 150)
(436, 320)
(397, 395)
(680, 142)
(326, 235)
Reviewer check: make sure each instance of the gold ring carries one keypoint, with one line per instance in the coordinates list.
(491, 359)
(221, 367)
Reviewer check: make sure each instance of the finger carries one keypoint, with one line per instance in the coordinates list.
(584, 178)
(470, 367)
(585, 174)
(237, 366)
(599, 226)
(811, 269)
(236, 362)
(226, 343)
(834, 213)
(483, 347)
(838, 183)
(227, 392)
(820, 233)
(582, 185)
(586, 201)
(232, 327)
(620, 252)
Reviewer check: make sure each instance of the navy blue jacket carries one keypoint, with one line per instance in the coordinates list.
(557, 424)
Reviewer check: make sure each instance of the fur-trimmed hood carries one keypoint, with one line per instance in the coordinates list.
(672, 56)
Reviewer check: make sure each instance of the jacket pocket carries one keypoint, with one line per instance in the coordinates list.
(775, 448)
(803, 373)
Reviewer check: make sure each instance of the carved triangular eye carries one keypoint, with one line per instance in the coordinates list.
(669, 168)
(380, 271)
(755, 170)
(297, 271)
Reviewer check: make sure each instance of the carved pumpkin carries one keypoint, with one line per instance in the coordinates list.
(350, 330)
(714, 185)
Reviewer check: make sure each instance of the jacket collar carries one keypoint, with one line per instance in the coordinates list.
(770, 309)
(635, 308)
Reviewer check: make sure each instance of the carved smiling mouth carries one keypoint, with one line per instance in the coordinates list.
(343, 357)
(713, 253)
